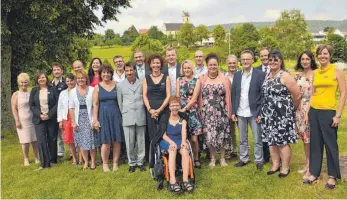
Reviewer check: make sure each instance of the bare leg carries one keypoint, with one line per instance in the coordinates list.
(85, 158)
(275, 157)
(80, 155)
(73, 152)
(25, 149)
(185, 163)
(195, 148)
(212, 155)
(223, 163)
(285, 153)
(35, 150)
(93, 158)
(172, 166)
(116, 154)
(105, 152)
(307, 157)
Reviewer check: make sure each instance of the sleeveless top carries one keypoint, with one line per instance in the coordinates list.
(325, 86)
(156, 93)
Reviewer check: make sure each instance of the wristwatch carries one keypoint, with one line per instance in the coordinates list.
(338, 115)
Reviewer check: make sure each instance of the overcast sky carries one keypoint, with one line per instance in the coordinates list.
(146, 13)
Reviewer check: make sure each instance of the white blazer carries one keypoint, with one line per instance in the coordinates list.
(74, 103)
(63, 106)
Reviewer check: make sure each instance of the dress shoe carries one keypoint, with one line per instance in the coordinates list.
(273, 172)
(132, 169)
(142, 168)
(241, 164)
(259, 166)
(283, 175)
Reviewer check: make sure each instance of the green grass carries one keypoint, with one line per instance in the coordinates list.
(109, 52)
(67, 181)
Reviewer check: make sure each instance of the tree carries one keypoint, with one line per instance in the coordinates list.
(109, 34)
(243, 37)
(36, 33)
(219, 35)
(292, 34)
(339, 44)
(155, 33)
(182, 54)
(129, 36)
(269, 42)
(98, 40)
(147, 45)
(201, 32)
(186, 35)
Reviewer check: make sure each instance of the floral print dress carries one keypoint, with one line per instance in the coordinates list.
(215, 116)
(186, 93)
(303, 129)
(277, 113)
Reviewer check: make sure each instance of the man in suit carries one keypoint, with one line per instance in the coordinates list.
(141, 69)
(172, 69)
(130, 100)
(59, 84)
(264, 58)
(246, 105)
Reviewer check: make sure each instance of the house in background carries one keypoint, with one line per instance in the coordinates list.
(322, 35)
(173, 28)
(143, 31)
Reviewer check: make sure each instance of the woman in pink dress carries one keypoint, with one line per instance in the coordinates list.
(64, 119)
(93, 71)
(23, 116)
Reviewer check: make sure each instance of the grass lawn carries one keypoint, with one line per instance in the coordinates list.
(109, 52)
(67, 181)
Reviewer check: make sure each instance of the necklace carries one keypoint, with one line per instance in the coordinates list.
(155, 76)
(212, 77)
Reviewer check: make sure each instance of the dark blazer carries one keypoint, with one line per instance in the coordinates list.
(60, 86)
(147, 71)
(254, 93)
(34, 103)
(165, 70)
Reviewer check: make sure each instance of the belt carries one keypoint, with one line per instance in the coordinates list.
(83, 107)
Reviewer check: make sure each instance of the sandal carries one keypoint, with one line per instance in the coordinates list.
(176, 188)
(197, 166)
(331, 186)
(188, 187)
(310, 182)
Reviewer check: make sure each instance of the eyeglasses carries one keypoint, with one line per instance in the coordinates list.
(232, 63)
(274, 60)
(248, 59)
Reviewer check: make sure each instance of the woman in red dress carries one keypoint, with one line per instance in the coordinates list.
(93, 71)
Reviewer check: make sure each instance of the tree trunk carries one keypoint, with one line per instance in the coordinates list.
(7, 122)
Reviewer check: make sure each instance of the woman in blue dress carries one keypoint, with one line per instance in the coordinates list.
(107, 117)
(175, 140)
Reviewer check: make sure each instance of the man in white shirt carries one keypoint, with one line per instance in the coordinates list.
(200, 69)
(246, 105)
(141, 69)
(119, 73)
(172, 69)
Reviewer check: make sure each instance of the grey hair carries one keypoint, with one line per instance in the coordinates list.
(231, 56)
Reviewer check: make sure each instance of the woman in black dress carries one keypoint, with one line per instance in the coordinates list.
(156, 95)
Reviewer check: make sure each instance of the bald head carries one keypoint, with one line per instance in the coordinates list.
(77, 66)
(199, 58)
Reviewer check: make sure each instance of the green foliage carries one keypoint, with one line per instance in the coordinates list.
(219, 35)
(147, 45)
(109, 34)
(243, 37)
(155, 33)
(109, 53)
(292, 34)
(182, 54)
(186, 35)
(105, 61)
(339, 44)
(129, 36)
(201, 32)
(98, 40)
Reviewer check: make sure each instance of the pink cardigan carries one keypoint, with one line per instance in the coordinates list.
(227, 86)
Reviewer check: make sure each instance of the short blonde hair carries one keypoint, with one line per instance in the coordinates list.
(190, 64)
(84, 75)
(23, 76)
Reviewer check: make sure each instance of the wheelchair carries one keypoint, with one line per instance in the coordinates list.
(160, 171)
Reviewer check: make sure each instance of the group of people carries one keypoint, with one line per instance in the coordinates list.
(139, 104)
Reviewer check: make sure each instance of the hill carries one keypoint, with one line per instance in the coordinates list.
(313, 25)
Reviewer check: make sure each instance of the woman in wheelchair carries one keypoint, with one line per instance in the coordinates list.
(175, 140)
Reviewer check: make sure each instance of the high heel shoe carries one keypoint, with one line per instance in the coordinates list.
(283, 175)
(331, 186)
(273, 172)
(212, 162)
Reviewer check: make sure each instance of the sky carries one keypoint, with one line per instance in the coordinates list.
(147, 13)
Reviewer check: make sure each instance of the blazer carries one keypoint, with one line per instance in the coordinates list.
(147, 72)
(34, 103)
(74, 103)
(63, 106)
(254, 93)
(130, 101)
(165, 70)
(260, 67)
